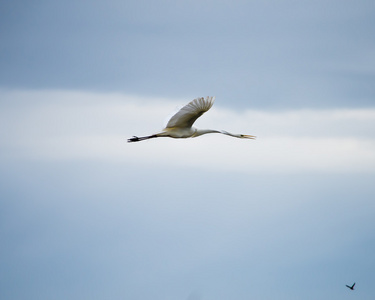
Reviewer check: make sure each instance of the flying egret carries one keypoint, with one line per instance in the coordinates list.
(180, 124)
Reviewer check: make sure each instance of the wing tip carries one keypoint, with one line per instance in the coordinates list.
(209, 101)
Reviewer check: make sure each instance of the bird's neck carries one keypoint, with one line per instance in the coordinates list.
(199, 132)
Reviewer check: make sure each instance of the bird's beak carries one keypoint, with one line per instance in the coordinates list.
(246, 136)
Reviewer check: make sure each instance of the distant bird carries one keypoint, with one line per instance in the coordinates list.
(180, 125)
(351, 287)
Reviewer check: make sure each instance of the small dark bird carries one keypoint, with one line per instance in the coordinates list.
(351, 287)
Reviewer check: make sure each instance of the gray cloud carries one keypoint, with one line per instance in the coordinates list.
(256, 54)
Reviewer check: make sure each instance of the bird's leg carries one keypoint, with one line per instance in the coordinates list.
(138, 139)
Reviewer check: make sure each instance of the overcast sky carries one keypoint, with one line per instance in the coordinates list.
(251, 53)
(85, 215)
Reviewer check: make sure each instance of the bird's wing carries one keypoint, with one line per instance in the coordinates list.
(347, 286)
(187, 115)
(353, 284)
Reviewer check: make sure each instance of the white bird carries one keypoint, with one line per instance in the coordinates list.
(180, 124)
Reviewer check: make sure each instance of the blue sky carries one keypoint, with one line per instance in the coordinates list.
(85, 215)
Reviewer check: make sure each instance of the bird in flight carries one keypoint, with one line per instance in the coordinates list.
(351, 287)
(180, 124)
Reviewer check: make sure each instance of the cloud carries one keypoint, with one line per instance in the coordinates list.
(317, 54)
(73, 125)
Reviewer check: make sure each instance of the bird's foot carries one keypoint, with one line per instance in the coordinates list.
(134, 139)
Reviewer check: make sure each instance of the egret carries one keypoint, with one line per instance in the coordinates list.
(351, 287)
(180, 124)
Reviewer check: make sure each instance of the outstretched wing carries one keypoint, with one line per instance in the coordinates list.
(187, 115)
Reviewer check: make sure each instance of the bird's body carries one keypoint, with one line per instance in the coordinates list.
(179, 132)
(351, 287)
(180, 124)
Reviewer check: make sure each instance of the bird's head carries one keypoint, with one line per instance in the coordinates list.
(247, 136)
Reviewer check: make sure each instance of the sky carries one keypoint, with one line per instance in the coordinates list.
(86, 215)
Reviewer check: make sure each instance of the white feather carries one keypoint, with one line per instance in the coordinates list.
(187, 115)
